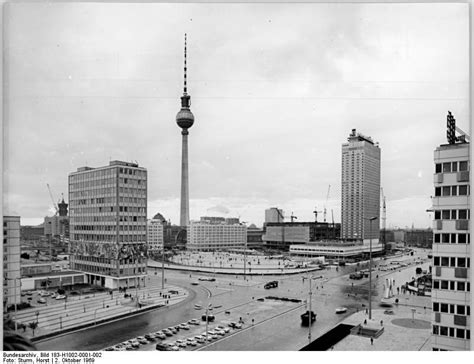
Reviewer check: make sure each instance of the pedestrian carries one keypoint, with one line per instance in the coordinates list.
(371, 341)
(365, 322)
(366, 311)
(381, 322)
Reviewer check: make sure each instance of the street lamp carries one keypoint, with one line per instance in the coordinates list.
(310, 296)
(370, 265)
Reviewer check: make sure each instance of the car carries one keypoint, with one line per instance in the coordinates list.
(173, 329)
(160, 335)
(272, 284)
(235, 325)
(184, 326)
(340, 310)
(214, 337)
(135, 343)
(197, 307)
(200, 339)
(194, 322)
(167, 332)
(192, 342)
(60, 297)
(41, 300)
(44, 294)
(161, 347)
(142, 340)
(150, 337)
(219, 332)
(223, 328)
(172, 346)
(194, 283)
(181, 343)
(173, 291)
(209, 279)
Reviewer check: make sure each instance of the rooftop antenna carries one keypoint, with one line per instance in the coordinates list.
(185, 66)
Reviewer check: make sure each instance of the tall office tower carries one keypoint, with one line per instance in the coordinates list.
(107, 212)
(11, 261)
(451, 320)
(360, 189)
(274, 214)
(185, 119)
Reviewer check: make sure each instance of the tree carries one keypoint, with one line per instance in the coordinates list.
(33, 326)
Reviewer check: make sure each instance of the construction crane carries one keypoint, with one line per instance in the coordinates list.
(327, 198)
(315, 212)
(293, 217)
(55, 205)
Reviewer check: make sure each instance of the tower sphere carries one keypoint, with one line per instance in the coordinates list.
(185, 118)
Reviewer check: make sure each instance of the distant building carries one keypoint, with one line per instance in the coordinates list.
(11, 261)
(254, 237)
(360, 189)
(155, 236)
(34, 233)
(451, 296)
(274, 214)
(205, 235)
(331, 249)
(55, 226)
(174, 236)
(281, 235)
(421, 238)
(108, 209)
(213, 219)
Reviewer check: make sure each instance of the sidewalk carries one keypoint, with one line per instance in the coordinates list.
(407, 329)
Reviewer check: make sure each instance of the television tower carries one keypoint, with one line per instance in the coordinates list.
(184, 119)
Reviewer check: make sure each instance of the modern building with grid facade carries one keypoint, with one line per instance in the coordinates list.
(205, 235)
(108, 225)
(451, 320)
(360, 187)
(155, 235)
(11, 261)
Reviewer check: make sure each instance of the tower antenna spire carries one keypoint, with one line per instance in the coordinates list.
(185, 66)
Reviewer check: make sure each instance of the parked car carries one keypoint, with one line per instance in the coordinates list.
(192, 342)
(184, 326)
(41, 300)
(160, 335)
(150, 337)
(194, 322)
(61, 297)
(209, 279)
(142, 340)
(181, 343)
(200, 339)
(161, 347)
(272, 284)
(167, 332)
(208, 318)
(235, 325)
(194, 283)
(173, 330)
(222, 327)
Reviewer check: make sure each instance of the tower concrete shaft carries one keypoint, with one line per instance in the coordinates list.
(184, 212)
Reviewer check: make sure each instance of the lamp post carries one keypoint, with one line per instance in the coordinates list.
(309, 312)
(163, 267)
(370, 265)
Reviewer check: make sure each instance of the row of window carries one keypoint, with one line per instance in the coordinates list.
(102, 237)
(451, 332)
(105, 210)
(108, 227)
(461, 190)
(451, 308)
(463, 214)
(461, 286)
(452, 238)
(449, 167)
(460, 262)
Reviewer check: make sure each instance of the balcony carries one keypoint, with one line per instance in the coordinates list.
(462, 224)
(438, 178)
(463, 176)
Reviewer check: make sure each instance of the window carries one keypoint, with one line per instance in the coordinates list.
(453, 262)
(438, 168)
(444, 285)
(445, 238)
(462, 214)
(435, 306)
(444, 306)
(460, 333)
(436, 284)
(437, 238)
(454, 190)
(446, 167)
(452, 288)
(451, 307)
(453, 214)
(461, 310)
(436, 261)
(443, 330)
(437, 214)
(461, 238)
(461, 262)
(462, 190)
(444, 261)
(451, 331)
(453, 238)
(437, 191)
(447, 191)
(435, 329)
(463, 166)
(446, 214)
(454, 167)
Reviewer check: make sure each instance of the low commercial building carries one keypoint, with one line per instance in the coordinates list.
(281, 235)
(335, 249)
(254, 238)
(421, 238)
(207, 236)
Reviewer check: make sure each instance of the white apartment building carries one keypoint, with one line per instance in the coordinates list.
(206, 236)
(360, 188)
(107, 215)
(11, 261)
(451, 296)
(155, 235)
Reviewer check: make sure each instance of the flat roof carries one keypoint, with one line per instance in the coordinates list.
(55, 274)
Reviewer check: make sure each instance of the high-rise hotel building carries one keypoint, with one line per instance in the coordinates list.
(360, 190)
(451, 273)
(108, 226)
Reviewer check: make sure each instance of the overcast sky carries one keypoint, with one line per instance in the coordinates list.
(275, 90)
